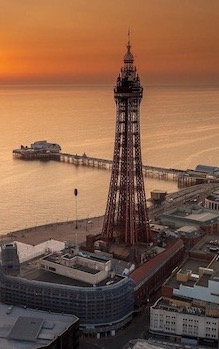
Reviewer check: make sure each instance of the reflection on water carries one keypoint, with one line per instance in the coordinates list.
(179, 128)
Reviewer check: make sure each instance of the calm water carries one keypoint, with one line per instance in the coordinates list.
(179, 128)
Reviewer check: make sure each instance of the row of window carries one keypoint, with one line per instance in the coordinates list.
(89, 310)
(187, 328)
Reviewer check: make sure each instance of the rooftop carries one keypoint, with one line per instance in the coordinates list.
(201, 258)
(207, 247)
(193, 214)
(22, 328)
(144, 271)
(214, 196)
(191, 264)
(87, 263)
(186, 308)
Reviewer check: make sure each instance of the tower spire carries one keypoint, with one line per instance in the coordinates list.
(129, 45)
(128, 58)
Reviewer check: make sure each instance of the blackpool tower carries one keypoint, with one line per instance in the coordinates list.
(126, 216)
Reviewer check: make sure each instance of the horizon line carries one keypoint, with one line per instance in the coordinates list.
(195, 84)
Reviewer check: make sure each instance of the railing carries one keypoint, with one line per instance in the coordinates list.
(98, 162)
(184, 177)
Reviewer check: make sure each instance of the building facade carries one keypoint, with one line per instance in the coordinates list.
(103, 307)
(77, 284)
(188, 311)
(184, 322)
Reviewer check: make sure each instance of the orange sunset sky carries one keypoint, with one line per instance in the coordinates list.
(84, 41)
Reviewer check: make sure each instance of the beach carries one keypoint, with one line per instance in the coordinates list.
(61, 231)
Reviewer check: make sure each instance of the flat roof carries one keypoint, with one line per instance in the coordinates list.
(190, 264)
(46, 276)
(187, 229)
(204, 258)
(204, 279)
(31, 270)
(167, 304)
(207, 246)
(24, 328)
(193, 213)
(203, 216)
(194, 264)
(62, 254)
(213, 197)
(85, 269)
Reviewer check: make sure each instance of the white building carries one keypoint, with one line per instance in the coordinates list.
(188, 312)
(187, 322)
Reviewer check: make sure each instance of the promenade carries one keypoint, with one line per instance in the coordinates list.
(67, 231)
(62, 231)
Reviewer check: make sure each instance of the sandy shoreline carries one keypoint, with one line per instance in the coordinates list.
(62, 231)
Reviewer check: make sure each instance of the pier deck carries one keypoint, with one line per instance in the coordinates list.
(182, 176)
(85, 160)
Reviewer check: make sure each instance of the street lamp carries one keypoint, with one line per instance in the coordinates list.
(76, 194)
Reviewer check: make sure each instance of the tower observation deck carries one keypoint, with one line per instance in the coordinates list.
(126, 216)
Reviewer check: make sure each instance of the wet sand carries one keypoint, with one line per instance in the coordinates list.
(63, 231)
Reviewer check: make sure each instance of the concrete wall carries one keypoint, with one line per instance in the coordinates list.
(73, 273)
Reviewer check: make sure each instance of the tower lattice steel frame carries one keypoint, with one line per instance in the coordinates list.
(126, 216)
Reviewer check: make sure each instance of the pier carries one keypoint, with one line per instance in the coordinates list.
(183, 177)
(84, 160)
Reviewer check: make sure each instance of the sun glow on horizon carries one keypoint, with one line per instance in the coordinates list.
(75, 42)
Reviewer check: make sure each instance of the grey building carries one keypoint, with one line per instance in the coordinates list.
(194, 215)
(24, 328)
(102, 299)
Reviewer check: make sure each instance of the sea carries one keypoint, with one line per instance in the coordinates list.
(179, 129)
